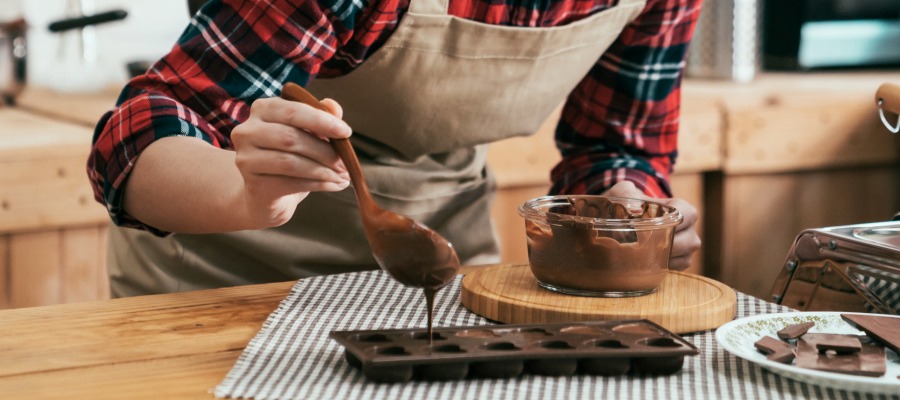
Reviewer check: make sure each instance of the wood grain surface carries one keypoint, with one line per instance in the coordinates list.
(171, 346)
(684, 302)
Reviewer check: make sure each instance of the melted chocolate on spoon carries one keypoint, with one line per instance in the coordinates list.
(408, 251)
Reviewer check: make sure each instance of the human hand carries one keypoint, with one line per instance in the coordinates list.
(283, 154)
(686, 239)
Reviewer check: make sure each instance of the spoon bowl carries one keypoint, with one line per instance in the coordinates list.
(410, 252)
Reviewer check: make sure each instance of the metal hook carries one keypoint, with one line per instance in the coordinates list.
(893, 129)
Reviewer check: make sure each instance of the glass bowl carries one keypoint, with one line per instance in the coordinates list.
(600, 246)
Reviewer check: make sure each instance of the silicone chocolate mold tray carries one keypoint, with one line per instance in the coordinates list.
(505, 351)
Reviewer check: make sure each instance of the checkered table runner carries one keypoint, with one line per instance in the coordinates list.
(292, 356)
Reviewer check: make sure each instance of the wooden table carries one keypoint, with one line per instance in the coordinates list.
(172, 346)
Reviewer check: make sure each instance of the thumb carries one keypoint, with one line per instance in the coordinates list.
(333, 107)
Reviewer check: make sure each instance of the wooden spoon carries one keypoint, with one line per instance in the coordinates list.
(408, 251)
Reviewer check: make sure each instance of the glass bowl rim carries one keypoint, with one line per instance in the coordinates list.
(528, 211)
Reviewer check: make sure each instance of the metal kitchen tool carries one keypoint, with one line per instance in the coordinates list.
(726, 43)
(851, 267)
(843, 268)
(887, 98)
(13, 52)
(77, 53)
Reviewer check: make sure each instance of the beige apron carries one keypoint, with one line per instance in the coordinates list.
(422, 108)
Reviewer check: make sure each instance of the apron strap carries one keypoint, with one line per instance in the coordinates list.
(429, 7)
(440, 7)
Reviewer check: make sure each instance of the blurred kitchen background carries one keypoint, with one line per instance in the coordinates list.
(55, 60)
(780, 133)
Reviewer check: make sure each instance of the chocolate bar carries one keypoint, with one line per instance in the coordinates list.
(884, 329)
(869, 361)
(794, 331)
(840, 344)
(775, 350)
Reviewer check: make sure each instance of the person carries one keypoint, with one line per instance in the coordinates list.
(212, 180)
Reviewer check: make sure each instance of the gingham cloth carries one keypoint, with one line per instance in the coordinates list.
(292, 356)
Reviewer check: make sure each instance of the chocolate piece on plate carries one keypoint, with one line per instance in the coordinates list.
(783, 356)
(794, 331)
(869, 361)
(884, 329)
(775, 350)
(841, 344)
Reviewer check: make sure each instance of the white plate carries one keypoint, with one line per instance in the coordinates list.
(738, 336)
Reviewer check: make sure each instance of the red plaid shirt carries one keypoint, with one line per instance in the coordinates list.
(619, 123)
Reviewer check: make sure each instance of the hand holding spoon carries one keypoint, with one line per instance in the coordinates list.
(408, 251)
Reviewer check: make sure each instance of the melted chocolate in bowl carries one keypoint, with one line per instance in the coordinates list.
(599, 246)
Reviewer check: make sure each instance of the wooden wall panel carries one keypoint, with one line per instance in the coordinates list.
(80, 263)
(37, 194)
(101, 272)
(765, 213)
(4, 271)
(53, 266)
(35, 269)
(510, 226)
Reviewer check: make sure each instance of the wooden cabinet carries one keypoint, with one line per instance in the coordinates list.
(52, 233)
(799, 151)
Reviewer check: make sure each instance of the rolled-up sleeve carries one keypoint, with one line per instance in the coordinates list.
(232, 53)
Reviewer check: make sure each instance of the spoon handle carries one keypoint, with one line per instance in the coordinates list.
(342, 147)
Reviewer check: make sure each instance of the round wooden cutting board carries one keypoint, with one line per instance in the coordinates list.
(510, 294)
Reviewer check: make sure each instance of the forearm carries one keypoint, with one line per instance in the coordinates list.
(182, 184)
(621, 122)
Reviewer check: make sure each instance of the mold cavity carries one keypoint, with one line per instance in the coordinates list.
(663, 342)
(502, 346)
(556, 344)
(449, 348)
(477, 334)
(531, 332)
(376, 338)
(610, 344)
(639, 329)
(424, 336)
(582, 330)
(393, 351)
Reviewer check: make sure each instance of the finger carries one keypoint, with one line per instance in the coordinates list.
(270, 162)
(277, 137)
(685, 244)
(278, 185)
(680, 263)
(688, 212)
(333, 107)
(301, 116)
